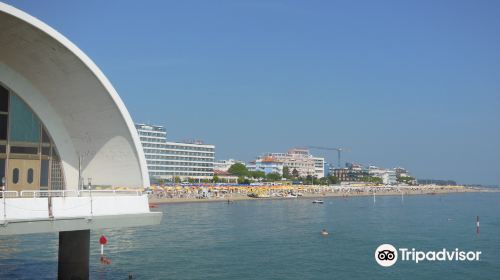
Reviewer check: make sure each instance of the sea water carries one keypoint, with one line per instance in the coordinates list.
(280, 239)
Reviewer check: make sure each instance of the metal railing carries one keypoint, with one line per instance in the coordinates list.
(48, 193)
(45, 198)
(9, 194)
(66, 193)
(108, 192)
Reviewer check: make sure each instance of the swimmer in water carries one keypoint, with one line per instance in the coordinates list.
(105, 260)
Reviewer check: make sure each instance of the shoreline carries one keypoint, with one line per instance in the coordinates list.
(343, 194)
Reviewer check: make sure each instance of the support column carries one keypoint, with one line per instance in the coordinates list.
(74, 249)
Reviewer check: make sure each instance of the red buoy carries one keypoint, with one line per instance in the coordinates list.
(103, 240)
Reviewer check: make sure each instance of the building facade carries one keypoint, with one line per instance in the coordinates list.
(169, 160)
(319, 167)
(388, 176)
(61, 120)
(225, 177)
(266, 164)
(225, 164)
(28, 156)
(358, 173)
(298, 159)
(350, 173)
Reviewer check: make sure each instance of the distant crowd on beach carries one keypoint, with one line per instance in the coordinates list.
(217, 192)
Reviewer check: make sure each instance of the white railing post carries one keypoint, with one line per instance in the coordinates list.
(3, 198)
(90, 194)
(4, 208)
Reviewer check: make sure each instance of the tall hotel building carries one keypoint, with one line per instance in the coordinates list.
(167, 160)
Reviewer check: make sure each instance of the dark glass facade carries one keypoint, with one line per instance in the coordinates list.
(28, 157)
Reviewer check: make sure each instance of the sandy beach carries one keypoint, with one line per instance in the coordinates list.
(314, 193)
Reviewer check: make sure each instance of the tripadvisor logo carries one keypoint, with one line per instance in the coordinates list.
(386, 255)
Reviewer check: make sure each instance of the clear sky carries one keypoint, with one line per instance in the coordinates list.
(401, 83)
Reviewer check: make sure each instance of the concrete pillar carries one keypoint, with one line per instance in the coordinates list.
(74, 249)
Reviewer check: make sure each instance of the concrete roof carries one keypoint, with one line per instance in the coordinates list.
(81, 110)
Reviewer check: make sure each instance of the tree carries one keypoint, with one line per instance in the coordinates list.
(308, 180)
(295, 173)
(333, 180)
(316, 181)
(407, 180)
(243, 180)
(273, 176)
(328, 180)
(161, 181)
(215, 179)
(372, 179)
(257, 174)
(286, 172)
(238, 169)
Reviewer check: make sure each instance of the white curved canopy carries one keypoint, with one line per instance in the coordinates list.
(77, 104)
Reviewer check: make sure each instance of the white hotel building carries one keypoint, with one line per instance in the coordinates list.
(299, 159)
(167, 160)
(319, 167)
(303, 161)
(225, 164)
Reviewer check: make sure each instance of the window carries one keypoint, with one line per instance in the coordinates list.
(2, 169)
(44, 173)
(45, 136)
(3, 127)
(4, 99)
(24, 150)
(30, 176)
(24, 125)
(15, 176)
(46, 151)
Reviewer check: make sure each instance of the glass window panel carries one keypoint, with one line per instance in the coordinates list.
(55, 156)
(24, 150)
(24, 125)
(3, 148)
(2, 169)
(46, 151)
(15, 175)
(44, 174)
(45, 136)
(3, 127)
(30, 176)
(4, 99)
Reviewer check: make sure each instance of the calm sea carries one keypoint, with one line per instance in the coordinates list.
(279, 239)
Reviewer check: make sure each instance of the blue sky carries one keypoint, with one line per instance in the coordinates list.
(401, 83)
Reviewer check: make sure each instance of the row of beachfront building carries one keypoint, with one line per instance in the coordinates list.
(193, 159)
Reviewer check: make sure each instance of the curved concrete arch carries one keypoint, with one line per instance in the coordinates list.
(78, 105)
